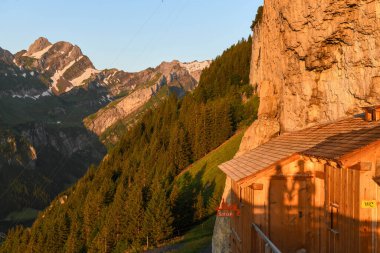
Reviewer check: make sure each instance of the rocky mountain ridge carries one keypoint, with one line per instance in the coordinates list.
(65, 67)
(62, 67)
(134, 90)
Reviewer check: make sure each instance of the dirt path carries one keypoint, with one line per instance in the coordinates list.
(170, 248)
(166, 248)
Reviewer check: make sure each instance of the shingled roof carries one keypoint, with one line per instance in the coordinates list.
(328, 141)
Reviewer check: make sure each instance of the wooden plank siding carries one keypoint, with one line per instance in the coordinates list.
(305, 190)
(310, 204)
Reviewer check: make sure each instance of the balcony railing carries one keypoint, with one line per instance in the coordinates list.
(269, 245)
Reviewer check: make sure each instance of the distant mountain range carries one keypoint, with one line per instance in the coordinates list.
(62, 68)
(65, 68)
(49, 95)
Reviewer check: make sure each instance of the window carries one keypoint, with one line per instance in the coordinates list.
(377, 168)
(241, 203)
(333, 226)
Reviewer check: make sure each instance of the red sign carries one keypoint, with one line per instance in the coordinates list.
(226, 210)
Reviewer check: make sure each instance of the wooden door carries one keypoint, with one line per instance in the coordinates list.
(289, 213)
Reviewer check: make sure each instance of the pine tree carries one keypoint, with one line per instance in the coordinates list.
(134, 214)
(158, 217)
(200, 210)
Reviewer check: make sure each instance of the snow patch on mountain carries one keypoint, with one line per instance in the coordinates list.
(86, 74)
(39, 54)
(57, 75)
(47, 93)
(195, 65)
(106, 80)
(34, 97)
(195, 68)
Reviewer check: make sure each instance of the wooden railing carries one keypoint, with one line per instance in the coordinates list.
(269, 245)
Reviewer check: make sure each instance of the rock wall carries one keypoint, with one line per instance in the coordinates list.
(119, 110)
(313, 62)
(221, 233)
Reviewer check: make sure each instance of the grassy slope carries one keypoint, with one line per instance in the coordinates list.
(197, 239)
(200, 236)
(23, 215)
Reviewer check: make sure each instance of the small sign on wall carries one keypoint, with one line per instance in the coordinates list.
(369, 203)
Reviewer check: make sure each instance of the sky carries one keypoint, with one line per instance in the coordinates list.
(131, 35)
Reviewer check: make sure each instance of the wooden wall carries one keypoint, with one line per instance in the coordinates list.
(311, 205)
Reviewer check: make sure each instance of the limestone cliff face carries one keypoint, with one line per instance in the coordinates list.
(121, 109)
(313, 62)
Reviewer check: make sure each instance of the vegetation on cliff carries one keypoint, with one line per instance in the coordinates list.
(258, 18)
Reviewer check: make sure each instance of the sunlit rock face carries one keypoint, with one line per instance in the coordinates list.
(313, 62)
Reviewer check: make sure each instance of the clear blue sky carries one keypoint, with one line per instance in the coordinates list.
(129, 34)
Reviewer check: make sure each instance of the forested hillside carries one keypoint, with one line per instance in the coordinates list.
(130, 198)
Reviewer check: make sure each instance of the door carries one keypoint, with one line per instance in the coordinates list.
(289, 211)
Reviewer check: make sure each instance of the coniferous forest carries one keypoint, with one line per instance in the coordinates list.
(129, 199)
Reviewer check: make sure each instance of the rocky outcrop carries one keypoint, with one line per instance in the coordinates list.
(37, 46)
(195, 68)
(67, 142)
(265, 128)
(178, 77)
(120, 109)
(15, 151)
(313, 62)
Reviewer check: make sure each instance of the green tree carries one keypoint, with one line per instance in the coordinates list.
(158, 217)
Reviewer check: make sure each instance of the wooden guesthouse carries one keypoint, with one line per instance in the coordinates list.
(315, 190)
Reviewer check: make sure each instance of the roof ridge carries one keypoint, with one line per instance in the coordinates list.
(323, 124)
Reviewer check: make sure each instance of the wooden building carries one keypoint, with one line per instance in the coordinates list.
(315, 190)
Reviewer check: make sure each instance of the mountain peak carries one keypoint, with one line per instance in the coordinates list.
(195, 68)
(62, 62)
(6, 56)
(38, 45)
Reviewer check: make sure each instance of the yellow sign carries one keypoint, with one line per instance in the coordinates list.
(369, 204)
